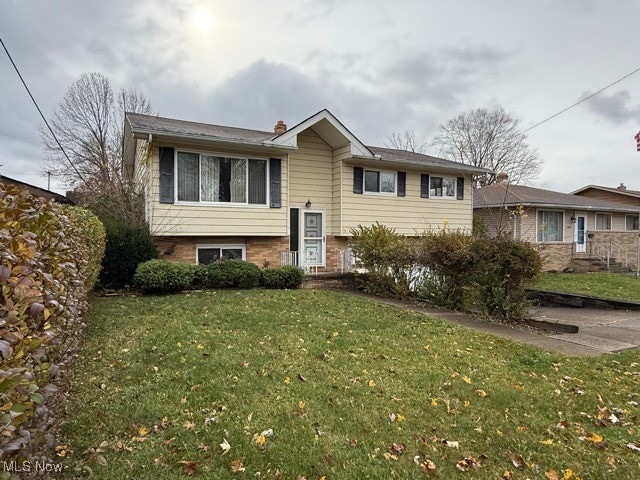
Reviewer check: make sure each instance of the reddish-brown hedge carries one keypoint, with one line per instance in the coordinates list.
(45, 273)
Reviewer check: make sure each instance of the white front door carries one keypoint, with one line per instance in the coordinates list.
(313, 239)
(580, 235)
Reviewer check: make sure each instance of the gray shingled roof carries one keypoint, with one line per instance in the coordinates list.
(504, 194)
(404, 156)
(152, 124)
(141, 123)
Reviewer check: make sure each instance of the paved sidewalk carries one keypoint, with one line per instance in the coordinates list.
(594, 324)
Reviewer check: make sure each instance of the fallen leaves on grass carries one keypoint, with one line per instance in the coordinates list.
(469, 463)
(225, 446)
(189, 468)
(237, 466)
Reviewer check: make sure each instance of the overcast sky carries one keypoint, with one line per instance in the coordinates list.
(379, 66)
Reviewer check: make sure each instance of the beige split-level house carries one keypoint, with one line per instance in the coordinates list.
(572, 231)
(288, 196)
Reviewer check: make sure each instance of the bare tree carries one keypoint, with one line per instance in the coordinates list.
(88, 122)
(489, 139)
(405, 140)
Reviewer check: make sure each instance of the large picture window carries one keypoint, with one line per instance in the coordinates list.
(444, 187)
(603, 221)
(215, 179)
(379, 182)
(550, 226)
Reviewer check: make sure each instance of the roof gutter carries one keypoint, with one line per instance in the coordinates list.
(461, 168)
(559, 206)
(147, 134)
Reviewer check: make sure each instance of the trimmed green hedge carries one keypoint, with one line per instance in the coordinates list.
(287, 277)
(47, 266)
(165, 276)
(230, 274)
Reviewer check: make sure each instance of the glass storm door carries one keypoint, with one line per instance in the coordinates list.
(312, 239)
(581, 233)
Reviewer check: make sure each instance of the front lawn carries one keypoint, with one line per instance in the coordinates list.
(323, 385)
(615, 286)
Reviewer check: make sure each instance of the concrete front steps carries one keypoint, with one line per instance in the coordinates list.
(329, 280)
(589, 264)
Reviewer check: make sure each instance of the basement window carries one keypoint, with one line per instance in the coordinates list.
(206, 254)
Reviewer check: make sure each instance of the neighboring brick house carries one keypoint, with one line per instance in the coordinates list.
(290, 196)
(572, 231)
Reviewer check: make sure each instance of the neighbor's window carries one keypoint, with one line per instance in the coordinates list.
(603, 221)
(550, 226)
(209, 178)
(376, 181)
(442, 187)
(207, 254)
(631, 222)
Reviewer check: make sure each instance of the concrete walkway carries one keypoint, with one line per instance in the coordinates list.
(601, 331)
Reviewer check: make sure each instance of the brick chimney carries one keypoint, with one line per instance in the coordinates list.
(622, 186)
(280, 128)
(502, 177)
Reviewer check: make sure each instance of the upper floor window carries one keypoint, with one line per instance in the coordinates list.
(603, 221)
(442, 187)
(210, 178)
(631, 222)
(376, 181)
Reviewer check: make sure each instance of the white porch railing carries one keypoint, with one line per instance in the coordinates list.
(346, 261)
(289, 258)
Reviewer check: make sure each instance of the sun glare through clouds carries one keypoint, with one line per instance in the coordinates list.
(202, 19)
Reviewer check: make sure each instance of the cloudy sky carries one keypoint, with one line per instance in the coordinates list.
(379, 66)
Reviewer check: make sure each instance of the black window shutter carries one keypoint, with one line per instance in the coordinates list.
(166, 174)
(402, 184)
(460, 189)
(424, 185)
(358, 173)
(275, 174)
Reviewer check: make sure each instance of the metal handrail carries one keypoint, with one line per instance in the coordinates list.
(616, 247)
(288, 258)
(601, 252)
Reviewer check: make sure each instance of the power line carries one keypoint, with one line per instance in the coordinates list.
(19, 139)
(580, 101)
(41, 114)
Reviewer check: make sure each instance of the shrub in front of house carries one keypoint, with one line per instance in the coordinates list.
(503, 270)
(45, 273)
(288, 277)
(94, 236)
(231, 274)
(164, 276)
(449, 269)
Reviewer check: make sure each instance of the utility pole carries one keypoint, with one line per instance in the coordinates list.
(48, 180)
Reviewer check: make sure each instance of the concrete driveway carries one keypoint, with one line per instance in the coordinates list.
(604, 331)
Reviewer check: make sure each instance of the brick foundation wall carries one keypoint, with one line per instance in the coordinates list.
(333, 245)
(265, 251)
(181, 249)
(555, 256)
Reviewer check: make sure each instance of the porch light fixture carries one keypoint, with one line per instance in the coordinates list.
(573, 219)
(308, 204)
